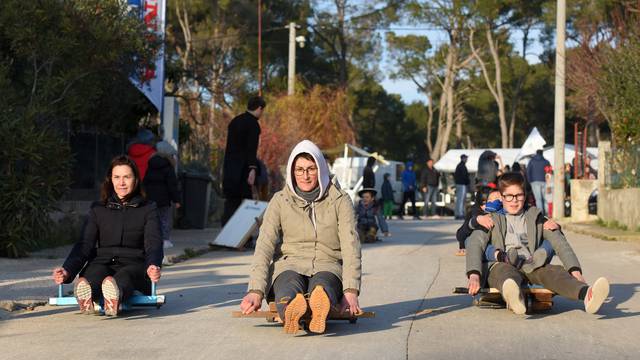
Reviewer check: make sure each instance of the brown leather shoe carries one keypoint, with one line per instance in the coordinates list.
(111, 296)
(293, 313)
(82, 291)
(320, 305)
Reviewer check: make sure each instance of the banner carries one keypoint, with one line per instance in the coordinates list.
(151, 82)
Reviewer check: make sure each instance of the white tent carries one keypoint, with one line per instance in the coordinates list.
(534, 142)
(451, 158)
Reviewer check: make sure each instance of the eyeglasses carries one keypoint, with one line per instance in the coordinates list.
(512, 197)
(310, 170)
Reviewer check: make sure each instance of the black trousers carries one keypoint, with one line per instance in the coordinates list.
(130, 275)
(290, 283)
(409, 196)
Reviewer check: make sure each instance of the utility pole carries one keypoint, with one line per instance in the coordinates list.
(558, 143)
(291, 76)
(259, 47)
(293, 39)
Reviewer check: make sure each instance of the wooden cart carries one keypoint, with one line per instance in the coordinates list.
(537, 299)
(272, 315)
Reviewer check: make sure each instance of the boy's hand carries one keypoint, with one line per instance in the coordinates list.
(550, 225)
(485, 221)
(59, 275)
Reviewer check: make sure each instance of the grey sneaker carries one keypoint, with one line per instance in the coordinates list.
(596, 295)
(513, 297)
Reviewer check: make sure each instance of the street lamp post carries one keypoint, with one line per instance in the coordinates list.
(558, 179)
(291, 74)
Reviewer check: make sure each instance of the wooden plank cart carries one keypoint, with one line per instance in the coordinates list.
(272, 315)
(537, 298)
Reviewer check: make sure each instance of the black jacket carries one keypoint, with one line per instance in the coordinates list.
(470, 224)
(387, 191)
(429, 177)
(240, 155)
(129, 231)
(160, 183)
(461, 176)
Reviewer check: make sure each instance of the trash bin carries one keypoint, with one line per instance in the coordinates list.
(196, 190)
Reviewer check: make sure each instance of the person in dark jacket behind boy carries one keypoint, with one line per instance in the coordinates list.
(461, 178)
(120, 250)
(387, 197)
(161, 186)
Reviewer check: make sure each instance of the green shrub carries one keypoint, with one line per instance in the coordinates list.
(34, 174)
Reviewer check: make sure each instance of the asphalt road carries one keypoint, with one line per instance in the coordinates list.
(407, 281)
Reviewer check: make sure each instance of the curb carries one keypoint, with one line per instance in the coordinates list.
(604, 234)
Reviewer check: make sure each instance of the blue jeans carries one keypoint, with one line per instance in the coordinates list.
(538, 188)
(461, 193)
(431, 196)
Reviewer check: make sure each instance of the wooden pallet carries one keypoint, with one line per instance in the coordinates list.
(536, 299)
(272, 315)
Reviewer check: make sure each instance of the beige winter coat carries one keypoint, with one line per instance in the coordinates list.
(308, 237)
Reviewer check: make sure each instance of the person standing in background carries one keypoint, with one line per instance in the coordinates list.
(429, 181)
(368, 176)
(536, 177)
(409, 189)
(240, 167)
(387, 197)
(140, 149)
(161, 186)
(461, 178)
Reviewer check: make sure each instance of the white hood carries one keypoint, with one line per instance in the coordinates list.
(306, 146)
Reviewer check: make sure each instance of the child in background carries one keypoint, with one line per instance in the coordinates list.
(387, 197)
(369, 217)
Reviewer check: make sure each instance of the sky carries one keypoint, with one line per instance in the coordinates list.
(408, 90)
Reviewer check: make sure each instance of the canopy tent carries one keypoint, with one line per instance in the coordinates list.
(534, 142)
(451, 158)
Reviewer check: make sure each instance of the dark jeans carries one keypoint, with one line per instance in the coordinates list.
(290, 283)
(410, 196)
(552, 277)
(130, 275)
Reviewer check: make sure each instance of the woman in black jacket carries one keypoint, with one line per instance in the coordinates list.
(120, 250)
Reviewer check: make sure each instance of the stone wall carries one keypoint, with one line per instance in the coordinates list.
(580, 192)
(621, 205)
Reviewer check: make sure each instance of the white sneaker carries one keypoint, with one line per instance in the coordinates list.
(596, 295)
(167, 244)
(513, 297)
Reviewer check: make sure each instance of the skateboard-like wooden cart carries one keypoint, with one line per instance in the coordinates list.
(272, 315)
(537, 299)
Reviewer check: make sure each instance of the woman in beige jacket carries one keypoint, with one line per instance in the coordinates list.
(309, 244)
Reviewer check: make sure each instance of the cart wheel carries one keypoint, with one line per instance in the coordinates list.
(353, 321)
(271, 320)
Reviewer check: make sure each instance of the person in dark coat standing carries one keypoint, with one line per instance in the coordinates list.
(161, 186)
(536, 177)
(409, 189)
(461, 178)
(240, 167)
(120, 250)
(387, 197)
(429, 183)
(368, 176)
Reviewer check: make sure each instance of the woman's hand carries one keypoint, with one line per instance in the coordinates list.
(350, 304)
(60, 275)
(154, 273)
(485, 221)
(250, 303)
(474, 284)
